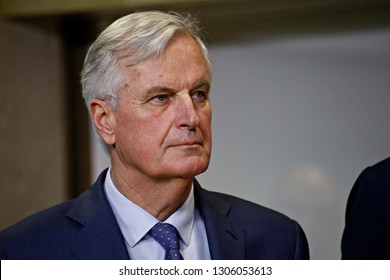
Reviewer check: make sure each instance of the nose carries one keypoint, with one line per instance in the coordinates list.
(187, 115)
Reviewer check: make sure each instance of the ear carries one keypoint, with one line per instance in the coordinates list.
(103, 118)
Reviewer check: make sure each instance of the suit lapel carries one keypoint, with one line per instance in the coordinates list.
(226, 241)
(100, 236)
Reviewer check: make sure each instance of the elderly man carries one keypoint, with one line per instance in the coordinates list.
(146, 81)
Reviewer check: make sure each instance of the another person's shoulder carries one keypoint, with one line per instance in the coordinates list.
(375, 176)
(381, 168)
(367, 214)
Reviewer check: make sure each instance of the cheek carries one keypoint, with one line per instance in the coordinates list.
(139, 126)
(148, 135)
(206, 125)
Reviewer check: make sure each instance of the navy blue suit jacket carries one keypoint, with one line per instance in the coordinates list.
(85, 228)
(367, 229)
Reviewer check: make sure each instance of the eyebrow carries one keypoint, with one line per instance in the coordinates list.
(203, 83)
(198, 84)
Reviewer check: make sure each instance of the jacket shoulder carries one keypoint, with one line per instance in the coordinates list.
(269, 234)
(47, 234)
(250, 214)
(45, 229)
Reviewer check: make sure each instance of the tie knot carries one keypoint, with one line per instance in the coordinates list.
(168, 237)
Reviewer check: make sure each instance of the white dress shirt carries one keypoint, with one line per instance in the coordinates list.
(135, 223)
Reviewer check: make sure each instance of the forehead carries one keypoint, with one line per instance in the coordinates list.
(182, 58)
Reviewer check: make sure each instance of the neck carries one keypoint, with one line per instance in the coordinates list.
(161, 198)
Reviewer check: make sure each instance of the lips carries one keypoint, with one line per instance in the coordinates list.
(186, 142)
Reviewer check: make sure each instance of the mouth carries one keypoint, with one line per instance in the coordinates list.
(191, 143)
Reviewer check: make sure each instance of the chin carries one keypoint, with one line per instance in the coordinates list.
(192, 171)
(188, 169)
(183, 167)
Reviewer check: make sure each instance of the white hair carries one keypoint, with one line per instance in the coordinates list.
(141, 35)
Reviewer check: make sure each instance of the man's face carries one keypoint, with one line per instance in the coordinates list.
(163, 120)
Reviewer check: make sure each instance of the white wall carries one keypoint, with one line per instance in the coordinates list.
(295, 120)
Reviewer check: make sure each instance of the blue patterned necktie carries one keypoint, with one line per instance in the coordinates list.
(168, 237)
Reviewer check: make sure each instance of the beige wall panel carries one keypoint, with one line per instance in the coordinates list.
(32, 118)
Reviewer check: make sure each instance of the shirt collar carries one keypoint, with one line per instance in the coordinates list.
(135, 222)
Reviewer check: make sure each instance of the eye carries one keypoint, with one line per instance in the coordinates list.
(200, 95)
(160, 98)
